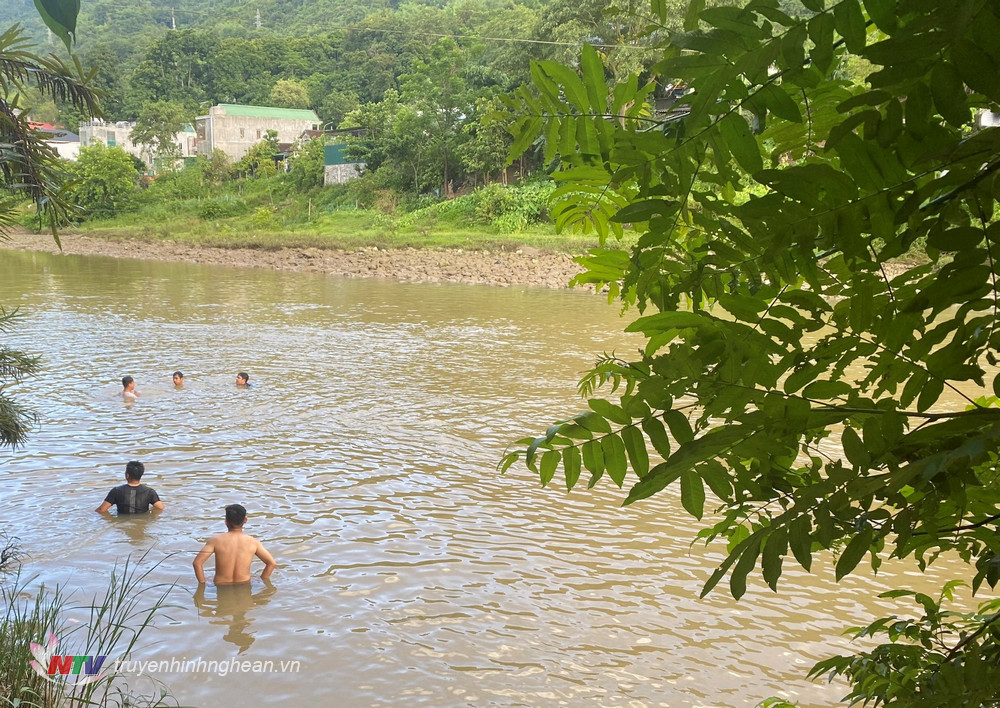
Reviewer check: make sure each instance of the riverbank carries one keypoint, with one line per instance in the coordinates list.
(521, 266)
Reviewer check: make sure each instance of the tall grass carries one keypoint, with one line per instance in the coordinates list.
(27, 620)
(115, 623)
(272, 212)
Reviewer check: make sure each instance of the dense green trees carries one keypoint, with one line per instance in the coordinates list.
(438, 93)
(28, 167)
(260, 159)
(444, 62)
(487, 144)
(429, 76)
(306, 163)
(104, 180)
(791, 385)
(289, 93)
(178, 67)
(157, 126)
(440, 132)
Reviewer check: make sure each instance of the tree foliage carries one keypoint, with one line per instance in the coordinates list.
(440, 131)
(307, 163)
(105, 180)
(791, 385)
(487, 144)
(15, 365)
(438, 94)
(28, 166)
(157, 126)
(391, 137)
(440, 58)
(260, 158)
(289, 93)
(216, 168)
(310, 55)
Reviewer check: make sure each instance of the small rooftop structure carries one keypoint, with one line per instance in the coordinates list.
(337, 166)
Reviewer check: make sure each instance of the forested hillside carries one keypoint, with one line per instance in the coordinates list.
(328, 55)
(423, 81)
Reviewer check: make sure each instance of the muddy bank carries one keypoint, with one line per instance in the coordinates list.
(526, 266)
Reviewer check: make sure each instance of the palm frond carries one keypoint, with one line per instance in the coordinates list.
(51, 75)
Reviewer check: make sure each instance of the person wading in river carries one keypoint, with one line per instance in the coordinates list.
(234, 552)
(129, 394)
(131, 497)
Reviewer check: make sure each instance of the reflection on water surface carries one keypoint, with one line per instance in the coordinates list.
(231, 608)
(409, 571)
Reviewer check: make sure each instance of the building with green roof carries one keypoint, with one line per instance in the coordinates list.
(234, 129)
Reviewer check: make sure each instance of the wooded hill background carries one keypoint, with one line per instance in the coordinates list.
(331, 55)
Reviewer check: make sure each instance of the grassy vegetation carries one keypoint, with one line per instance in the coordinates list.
(349, 230)
(112, 628)
(272, 212)
(211, 205)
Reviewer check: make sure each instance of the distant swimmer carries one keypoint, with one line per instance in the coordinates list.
(178, 380)
(242, 379)
(234, 552)
(129, 394)
(132, 497)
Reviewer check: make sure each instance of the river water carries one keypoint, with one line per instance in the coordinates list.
(409, 572)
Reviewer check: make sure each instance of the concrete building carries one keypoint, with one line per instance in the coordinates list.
(119, 134)
(234, 129)
(111, 134)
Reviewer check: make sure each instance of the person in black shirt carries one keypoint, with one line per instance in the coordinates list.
(132, 497)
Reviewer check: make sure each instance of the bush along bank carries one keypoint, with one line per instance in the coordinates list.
(214, 203)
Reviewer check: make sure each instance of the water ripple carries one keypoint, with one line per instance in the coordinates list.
(365, 452)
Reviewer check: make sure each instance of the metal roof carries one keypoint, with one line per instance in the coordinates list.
(233, 109)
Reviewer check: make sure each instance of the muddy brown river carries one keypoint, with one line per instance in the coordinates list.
(410, 572)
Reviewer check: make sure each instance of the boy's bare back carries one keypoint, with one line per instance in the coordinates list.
(234, 551)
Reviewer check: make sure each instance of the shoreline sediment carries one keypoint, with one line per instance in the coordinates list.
(525, 266)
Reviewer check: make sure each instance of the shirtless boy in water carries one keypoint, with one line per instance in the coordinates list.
(129, 394)
(234, 551)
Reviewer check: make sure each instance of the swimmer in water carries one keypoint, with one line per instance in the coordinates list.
(242, 379)
(131, 497)
(129, 394)
(178, 380)
(234, 552)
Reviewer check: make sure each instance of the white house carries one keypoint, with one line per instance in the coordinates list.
(65, 143)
